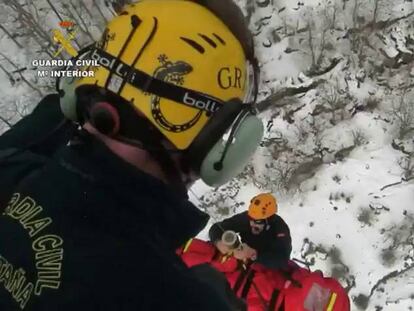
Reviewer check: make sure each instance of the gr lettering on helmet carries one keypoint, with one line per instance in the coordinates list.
(229, 77)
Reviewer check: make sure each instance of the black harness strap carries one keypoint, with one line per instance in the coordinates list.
(282, 306)
(240, 280)
(273, 299)
(288, 275)
(248, 284)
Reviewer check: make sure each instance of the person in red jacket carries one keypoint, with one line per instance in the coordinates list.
(264, 237)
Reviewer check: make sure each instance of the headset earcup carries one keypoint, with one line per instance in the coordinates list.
(66, 86)
(212, 133)
(66, 90)
(105, 118)
(249, 135)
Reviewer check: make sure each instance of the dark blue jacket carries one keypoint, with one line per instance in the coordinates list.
(81, 229)
(273, 245)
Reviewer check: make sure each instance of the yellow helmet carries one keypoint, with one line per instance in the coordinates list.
(262, 206)
(179, 42)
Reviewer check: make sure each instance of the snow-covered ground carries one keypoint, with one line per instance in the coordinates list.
(351, 228)
(339, 157)
(352, 215)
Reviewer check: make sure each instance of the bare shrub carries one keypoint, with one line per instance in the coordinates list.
(302, 132)
(334, 100)
(372, 103)
(359, 137)
(403, 114)
(366, 216)
(317, 130)
(336, 178)
(282, 171)
(388, 257)
(220, 202)
(407, 165)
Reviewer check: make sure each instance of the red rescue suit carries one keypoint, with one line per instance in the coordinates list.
(294, 288)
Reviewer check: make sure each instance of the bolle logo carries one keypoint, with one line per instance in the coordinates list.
(209, 106)
(107, 63)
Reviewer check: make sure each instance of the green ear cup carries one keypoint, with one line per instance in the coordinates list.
(245, 143)
(66, 88)
(68, 98)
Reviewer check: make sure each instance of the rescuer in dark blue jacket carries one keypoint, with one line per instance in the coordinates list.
(265, 237)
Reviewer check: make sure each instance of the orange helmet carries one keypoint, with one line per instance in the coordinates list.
(262, 206)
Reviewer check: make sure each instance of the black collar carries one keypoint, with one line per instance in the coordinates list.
(146, 204)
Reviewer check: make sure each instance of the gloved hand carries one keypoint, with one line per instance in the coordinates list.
(245, 252)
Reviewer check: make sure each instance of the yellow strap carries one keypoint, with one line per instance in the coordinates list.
(187, 245)
(331, 302)
(226, 257)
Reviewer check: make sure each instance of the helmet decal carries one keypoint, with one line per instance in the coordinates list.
(172, 72)
(228, 77)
